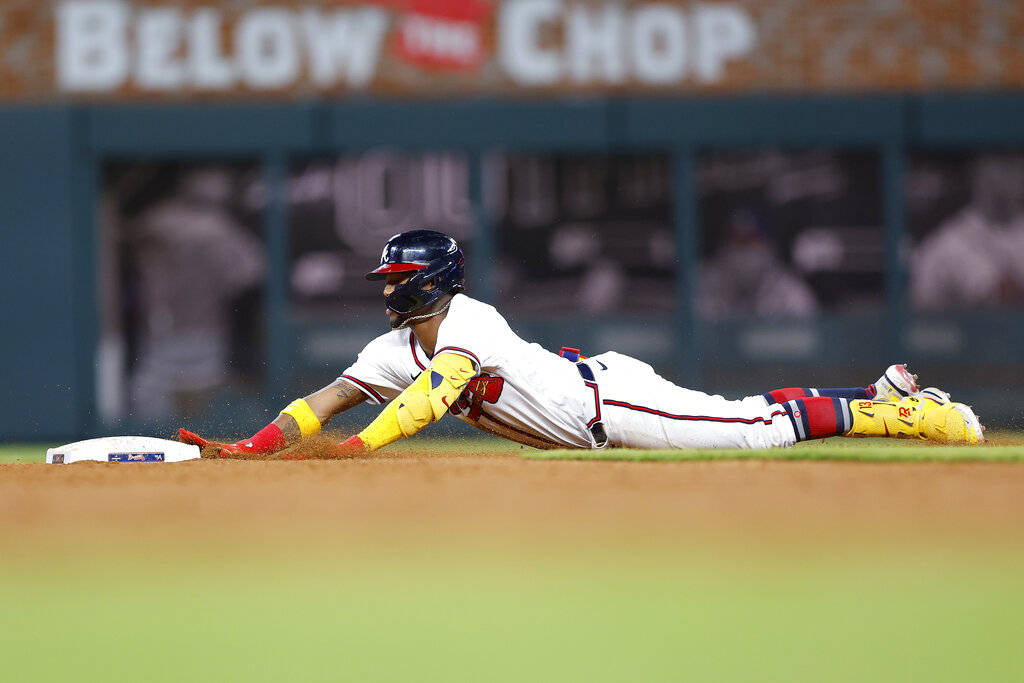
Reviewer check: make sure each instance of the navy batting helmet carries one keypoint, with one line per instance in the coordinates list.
(432, 258)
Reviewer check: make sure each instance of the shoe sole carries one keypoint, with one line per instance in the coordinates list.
(900, 384)
(972, 422)
(901, 380)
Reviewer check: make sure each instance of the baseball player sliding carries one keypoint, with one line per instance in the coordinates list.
(449, 353)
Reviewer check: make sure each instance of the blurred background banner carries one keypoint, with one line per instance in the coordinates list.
(114, 49)
(744, 194)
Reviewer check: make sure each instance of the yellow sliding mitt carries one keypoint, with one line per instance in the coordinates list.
(423, 402)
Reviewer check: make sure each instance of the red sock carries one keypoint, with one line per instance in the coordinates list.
(267, 440)
(818, 417)
(783, 395)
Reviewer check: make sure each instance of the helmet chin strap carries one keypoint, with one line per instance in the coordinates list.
(416, 318)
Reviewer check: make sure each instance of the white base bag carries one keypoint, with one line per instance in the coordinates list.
(123, 449)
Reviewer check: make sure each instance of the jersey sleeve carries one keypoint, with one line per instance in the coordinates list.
(377, 372)
(471, 329)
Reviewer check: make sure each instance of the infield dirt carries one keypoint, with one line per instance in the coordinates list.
(421, 494)
(426, 566)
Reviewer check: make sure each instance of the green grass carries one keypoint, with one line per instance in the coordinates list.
(24, 452)
(1002, 447)
(36, 452)
(473, 445)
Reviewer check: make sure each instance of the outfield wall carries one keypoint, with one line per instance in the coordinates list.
(51, 179)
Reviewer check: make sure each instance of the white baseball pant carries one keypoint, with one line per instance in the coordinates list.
(641, 409)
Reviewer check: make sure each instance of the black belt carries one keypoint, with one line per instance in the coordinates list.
(595, 426)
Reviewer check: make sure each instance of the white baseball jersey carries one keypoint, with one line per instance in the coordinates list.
(527, 394)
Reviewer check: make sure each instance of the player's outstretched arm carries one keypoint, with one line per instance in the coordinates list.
(426, 400)
(301, 418)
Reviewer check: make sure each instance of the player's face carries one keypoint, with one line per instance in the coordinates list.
(392, 281)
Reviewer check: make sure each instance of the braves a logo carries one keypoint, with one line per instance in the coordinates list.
(483, 389)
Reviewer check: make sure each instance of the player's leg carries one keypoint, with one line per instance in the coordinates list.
(641, 409)
(928, 415)
(894, 384)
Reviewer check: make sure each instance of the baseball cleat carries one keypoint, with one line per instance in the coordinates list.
(951, 423)
(897, 383)
(935, 395)
(933, 417)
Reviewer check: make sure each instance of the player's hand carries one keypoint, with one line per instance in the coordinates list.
(194, 439)
(350, 447)
(229, 450)
(224, 450)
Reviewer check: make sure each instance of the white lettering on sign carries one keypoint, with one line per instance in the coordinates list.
(656, 44)
(103, 45)
(723, 32)
(520, 26)
(159, 35)
(658, 37)
(90, 54)
(209, 67)
(348, 42)
(594, 45)
(268, 56)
